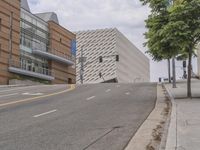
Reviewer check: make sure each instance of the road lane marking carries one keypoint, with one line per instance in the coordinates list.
(108, 90)
(8, 95)
(72, 87)
(127, 93)
(90, 98)
(46, 113)
(32, 94)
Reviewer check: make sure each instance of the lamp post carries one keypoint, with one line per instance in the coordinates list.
(82, 63)
(82, 60)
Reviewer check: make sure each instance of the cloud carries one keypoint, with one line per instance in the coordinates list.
(127, 15)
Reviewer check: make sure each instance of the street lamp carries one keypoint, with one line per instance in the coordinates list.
(82, 65)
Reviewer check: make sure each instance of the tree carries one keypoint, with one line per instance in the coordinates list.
(159, 48)
(183, 30)
(178, 35)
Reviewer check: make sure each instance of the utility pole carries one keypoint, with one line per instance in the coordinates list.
(169, 70)
(82, 66)
(174, 72)
(83, 59)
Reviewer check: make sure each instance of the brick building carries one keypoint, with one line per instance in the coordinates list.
(34, 46)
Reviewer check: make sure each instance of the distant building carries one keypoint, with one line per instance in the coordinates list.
(133, 65)
(34, 46)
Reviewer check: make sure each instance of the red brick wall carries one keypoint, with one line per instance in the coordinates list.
(60, 41)
(6, 7)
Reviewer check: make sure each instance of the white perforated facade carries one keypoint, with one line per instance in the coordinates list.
(133, 65)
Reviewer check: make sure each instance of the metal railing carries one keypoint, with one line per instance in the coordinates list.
(63, 54)
(38, 46)
(31, 68)
(24, 65)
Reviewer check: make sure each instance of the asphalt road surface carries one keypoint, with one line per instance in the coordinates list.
(89, 117)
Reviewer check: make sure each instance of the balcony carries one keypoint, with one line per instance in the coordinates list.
(27, 69)
(54, 55)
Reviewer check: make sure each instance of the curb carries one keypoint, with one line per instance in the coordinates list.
(171, 143)
(143, 138)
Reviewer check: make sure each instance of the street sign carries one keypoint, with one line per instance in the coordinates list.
(73, 47)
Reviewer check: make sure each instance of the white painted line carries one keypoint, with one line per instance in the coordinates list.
(72, 87)
(39, 115)
(90, 98)
(9, 95)
(108, 90)
(127, 93)
(32, 94)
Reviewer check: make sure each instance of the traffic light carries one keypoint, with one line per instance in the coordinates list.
(184, 64)
(117, 57)
(100, 75)
(100, 59)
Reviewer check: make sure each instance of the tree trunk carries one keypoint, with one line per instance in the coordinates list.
(169, 70)
(189, 91)
(174, 72)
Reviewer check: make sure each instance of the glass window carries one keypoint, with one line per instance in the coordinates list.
(28, 18)
(34, 21)
(22, 15)
(26, 26)
(42, 26)
(42, 34)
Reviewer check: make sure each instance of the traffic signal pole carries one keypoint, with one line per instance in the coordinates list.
(82, 60)
(82, 66)
(174, 72)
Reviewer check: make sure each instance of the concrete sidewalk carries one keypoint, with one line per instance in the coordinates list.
(181, 91)
(184, 128)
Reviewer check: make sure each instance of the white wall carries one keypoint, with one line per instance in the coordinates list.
(133, 65)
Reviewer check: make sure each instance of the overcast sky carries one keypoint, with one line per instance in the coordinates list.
(126, 15)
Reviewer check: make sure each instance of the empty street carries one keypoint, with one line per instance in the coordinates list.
(88, 117)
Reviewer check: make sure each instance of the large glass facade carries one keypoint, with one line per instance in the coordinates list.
(34, 35)
(34, 32)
